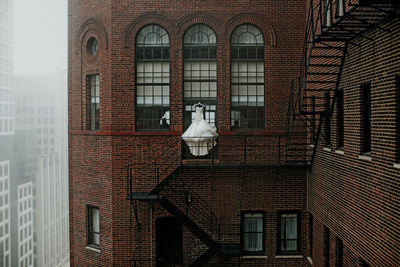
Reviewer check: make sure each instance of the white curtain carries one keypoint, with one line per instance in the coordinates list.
(253, 232)
(289, 232)
(96, 226)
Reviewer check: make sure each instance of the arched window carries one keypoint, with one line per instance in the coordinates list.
(247, 78)
(200, 72)
(152, 79)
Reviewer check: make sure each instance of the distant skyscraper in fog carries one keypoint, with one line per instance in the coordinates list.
(40, 103)
(6, 69)
(33, 162)
(6, 128)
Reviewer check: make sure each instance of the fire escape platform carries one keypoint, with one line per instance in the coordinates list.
(143, 196)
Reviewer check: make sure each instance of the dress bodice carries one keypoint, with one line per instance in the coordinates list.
(199, 113)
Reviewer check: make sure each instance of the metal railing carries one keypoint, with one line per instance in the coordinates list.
(232, 149)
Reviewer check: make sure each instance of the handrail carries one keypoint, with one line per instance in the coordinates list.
(235, 149)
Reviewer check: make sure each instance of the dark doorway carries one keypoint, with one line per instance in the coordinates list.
(168, 242)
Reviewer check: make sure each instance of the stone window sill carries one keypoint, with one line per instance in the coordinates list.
(327, 149)
(396, 165)
(255, 257)
(309, 260)
(93, 249)
(339, 151)
(365, 157)
(289, 257)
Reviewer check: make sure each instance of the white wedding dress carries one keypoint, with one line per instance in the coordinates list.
(200, 136)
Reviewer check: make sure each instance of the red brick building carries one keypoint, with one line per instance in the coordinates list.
(139, 197)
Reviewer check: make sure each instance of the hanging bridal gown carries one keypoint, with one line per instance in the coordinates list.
(200, 136)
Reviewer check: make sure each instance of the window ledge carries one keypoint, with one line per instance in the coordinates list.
(93, 249)
(309, 260)
(255, 257)
(327, 149)
(289, 257)
(339, 151)
(396, 165)
(365, 157)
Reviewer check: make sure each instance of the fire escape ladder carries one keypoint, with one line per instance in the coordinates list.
(194, 228)
(331, 27)
(191, 211)
(203, 259)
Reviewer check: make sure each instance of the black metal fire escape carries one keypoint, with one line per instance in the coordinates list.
(332, 25)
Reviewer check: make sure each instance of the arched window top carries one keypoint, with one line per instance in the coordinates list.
(152, 35)
(247, 35)
(200, 35)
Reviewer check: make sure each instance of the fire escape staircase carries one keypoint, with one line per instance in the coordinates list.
(190, 211)
(332, 25)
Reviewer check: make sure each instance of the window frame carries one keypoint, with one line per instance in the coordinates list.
(327, 246)
(278, 237)
(255, 109)
(339, 252)
(311, 233)
(340, 119)
(242, 233)
(89, 227)
(212, 57)
(327, 103)
(156, 111)
(94, 115)
(366, 118)
(397, 92)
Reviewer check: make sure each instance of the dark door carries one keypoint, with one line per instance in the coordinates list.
(168, 242)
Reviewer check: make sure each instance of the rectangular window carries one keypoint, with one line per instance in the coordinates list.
(313, 121)
(327, 246)
(93, 227)
(152, 97)
(252, 233)
(339, 252)
(247, 94)
(398, 115)
(366, 118)
(288, 232)
(200, 85)
(327, 119)
(340, 119)
(93, 83)
(311, 233)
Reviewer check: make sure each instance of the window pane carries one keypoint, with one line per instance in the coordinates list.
(288, 232)
(253, 232)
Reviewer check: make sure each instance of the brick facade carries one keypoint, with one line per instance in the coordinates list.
(352, 194)
(98, 158)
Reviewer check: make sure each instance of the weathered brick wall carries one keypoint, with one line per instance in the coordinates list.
(228, 192)
(355, 198)
(115, 25)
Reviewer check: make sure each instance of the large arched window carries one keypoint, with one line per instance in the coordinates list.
(200, 72)
(247, 78)
(152, 79)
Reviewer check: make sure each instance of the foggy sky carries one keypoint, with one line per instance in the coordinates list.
(40, 35)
